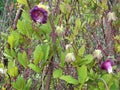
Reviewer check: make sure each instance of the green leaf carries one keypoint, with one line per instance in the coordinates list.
(13, 53)
(22, 2)
(38, 54)
(103, 5)
(28, 85)
(82, 74)
(26, 16)
(11, 40)
(117, 47)
(81, 51)
(69, 79)
(7, 53)
(46, 28)
(83, 24)
(62, 7)
(101, 85)
(115, 85)
(9, 57)
(78, 23)
(23, 59)
(34, 67)
(91, 74)
(13, 71)
(77, 26)
(62, 58)
(19, 84)
(45, 49)
(16, 36)
(11, 64)
(107, 77)
(20, 27)
(65, 8)
(25, 27)
(57, 73)
(87, 59)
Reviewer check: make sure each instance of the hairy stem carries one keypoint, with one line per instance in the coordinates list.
(49, 75)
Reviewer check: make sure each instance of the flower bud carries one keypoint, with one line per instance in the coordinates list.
(107, 65)
(70, 57)
(39, 14)
(59, 30)
(97, 54)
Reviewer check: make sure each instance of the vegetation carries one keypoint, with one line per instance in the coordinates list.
(60, 45)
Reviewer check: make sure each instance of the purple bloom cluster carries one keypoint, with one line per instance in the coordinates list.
(107, 65)
(39, 15)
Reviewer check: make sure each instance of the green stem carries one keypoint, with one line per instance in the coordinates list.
(104, 83)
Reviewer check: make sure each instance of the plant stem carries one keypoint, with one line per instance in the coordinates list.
(18, 15)
(49, 75)
(104, 83)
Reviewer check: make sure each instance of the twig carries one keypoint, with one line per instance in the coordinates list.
(28, 4)
(109, 37)
(18, 15)
(53, 34)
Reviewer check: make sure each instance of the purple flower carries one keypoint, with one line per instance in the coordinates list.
(107, 65)
(39, 14)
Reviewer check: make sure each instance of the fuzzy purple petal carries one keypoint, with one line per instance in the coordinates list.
(107, 65)
(39, 14)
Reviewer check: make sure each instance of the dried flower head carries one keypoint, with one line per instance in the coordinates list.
(39, 14)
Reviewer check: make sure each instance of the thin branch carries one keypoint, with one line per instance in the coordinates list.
(18, 15)
(49, 75)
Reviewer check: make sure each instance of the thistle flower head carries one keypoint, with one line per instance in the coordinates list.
(39, 14)
(70, 57)
(107, 65)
